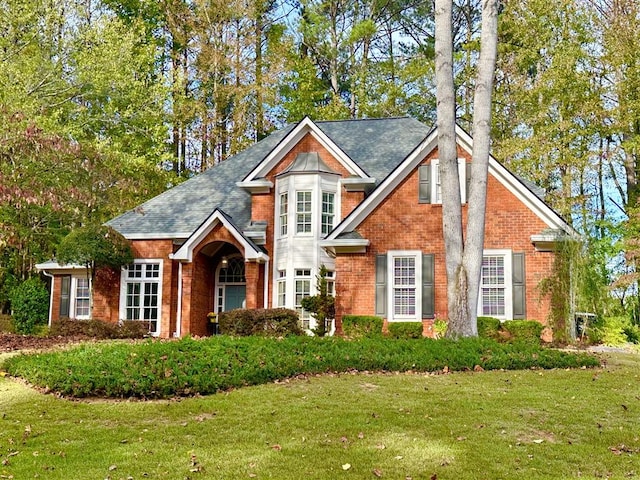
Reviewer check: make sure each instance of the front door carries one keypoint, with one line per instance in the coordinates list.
(234, 296)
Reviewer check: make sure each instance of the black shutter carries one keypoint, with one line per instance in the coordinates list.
(428, 286)
(381, 285)
(424, 184)
(65, 295)
(518, 284)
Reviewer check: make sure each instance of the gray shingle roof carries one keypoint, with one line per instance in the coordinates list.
(376, 145)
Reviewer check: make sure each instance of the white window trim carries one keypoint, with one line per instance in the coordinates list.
(123, 290)
(322, 214)
(436, 190)
(391, 317)
(508, 283)
(73, 297)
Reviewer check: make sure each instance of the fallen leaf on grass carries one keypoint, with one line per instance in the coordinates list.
(377, 472)
(538, 441)
(346, 466)
(276, 447)
(112, 467)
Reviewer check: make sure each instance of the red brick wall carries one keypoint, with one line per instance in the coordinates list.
(106, 293)
(401, 223)
(201, 294)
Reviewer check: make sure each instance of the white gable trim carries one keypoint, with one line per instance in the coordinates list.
(304, 127)
(362, 211)
(185, 252)
(496, 169)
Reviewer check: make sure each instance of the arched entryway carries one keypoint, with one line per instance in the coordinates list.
(231, 284)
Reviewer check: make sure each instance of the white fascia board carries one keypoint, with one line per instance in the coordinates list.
(517, 188)
(260, 185)
(185, 252)
(362, 211)
(53, 266)
(305, 126)
(357, 184)
(158, 236)
(346, 245)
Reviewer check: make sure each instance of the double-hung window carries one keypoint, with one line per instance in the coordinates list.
(495, 285)
(328, 212)
(141, 293)
(303, 212)
(303, 289)
(430, 182)
(81, 302)
(404, 279)
(404, 287)
(282, 288)
(284, 214)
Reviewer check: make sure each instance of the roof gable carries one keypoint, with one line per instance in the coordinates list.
(496, 169)
(304, 127)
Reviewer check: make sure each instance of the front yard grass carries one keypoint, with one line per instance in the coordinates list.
(531, 424)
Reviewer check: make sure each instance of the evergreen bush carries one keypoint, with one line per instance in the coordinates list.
(523, 330)
(30, 305)
(272, 322)
(489, 327)
(405, 329)
(99, 329)
(361, 326)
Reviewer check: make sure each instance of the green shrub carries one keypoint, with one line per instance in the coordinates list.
(405, 329)
(165, 369)
(523, 330)
(489, 327)
(274, 322)
(98, 329)
(361, 326)
(6, 324)
(30, 305)
(632, 332)
(610, 331)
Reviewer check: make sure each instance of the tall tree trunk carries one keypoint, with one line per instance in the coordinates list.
(464, 260)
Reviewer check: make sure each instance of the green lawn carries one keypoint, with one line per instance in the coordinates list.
(512, 424)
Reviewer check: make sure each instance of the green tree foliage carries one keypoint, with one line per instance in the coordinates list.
(322, 306)
(30, 304)
(95, 247)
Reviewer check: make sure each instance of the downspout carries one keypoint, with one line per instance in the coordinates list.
(178, 332)
(267, 276)
(50, 296)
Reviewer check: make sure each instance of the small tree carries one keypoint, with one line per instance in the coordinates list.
(322, 306)
(95, 246)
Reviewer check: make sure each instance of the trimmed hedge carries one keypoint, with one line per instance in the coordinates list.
(272, 322)
(99, 329)
(361, 326)
(489, 327)
(405, 329)
(523, 330)
(185, 367)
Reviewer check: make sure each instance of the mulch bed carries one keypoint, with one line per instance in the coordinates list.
(10, 342)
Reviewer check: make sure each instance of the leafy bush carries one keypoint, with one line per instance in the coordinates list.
(165, 369)
(361, 326)
(632, 332)
(274, 322)
(6, 324)
(610, 331)
(523, 330)
(30, 305)
(489, 327)
(66, 327)
(405, 329)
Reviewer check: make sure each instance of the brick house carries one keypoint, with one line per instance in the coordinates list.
(361, 197)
